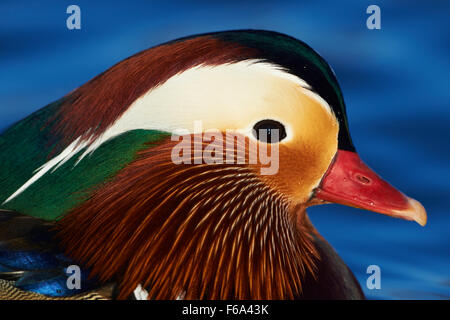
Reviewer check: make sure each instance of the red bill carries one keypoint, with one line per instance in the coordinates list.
(349, 181)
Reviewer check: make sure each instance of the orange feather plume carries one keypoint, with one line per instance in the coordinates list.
(200, 231)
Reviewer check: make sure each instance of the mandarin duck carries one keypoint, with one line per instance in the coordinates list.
(93, 179)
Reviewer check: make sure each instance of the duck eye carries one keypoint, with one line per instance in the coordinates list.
(269, 131)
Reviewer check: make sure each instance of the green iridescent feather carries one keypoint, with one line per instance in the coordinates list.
(24, 147)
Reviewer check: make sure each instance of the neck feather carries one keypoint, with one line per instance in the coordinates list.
(208, 231)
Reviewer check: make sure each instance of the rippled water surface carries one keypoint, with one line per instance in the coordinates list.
(395, 83)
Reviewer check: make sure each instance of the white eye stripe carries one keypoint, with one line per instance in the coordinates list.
(227, 96)
(319, 99)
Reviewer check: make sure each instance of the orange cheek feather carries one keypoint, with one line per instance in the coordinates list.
(305, 158)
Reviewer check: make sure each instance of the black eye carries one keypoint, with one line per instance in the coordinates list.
(266, 131)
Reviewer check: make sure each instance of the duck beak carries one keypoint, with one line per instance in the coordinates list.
(351, 182)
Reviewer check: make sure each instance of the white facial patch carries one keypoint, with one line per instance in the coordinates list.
(229, 96)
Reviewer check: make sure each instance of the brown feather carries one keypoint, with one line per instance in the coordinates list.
(208, 231)
(93, 107)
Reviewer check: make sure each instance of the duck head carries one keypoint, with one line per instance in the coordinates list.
(222, 230)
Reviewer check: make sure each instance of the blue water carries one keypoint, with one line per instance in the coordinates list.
(395, 82)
